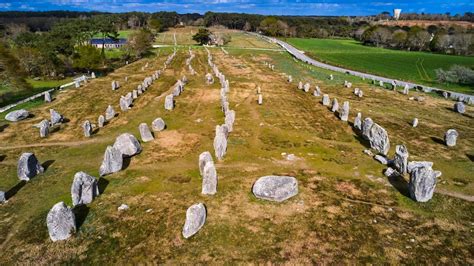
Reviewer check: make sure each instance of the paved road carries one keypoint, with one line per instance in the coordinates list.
(301, 56)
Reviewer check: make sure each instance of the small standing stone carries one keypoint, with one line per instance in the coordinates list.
(344, 113)
(204, 158)
(379, 140)
(101, 121)
(47, 97)
(300, 85)
(335, 105)
(422, 183)
(400, 161)
(209, 179)
(326, 100)
(56, 118)
(87, 127)
(44, 128)
(109, 113)
(415, 122)
(459, 107)
(158, 124)
(61, 222)
(28, 166)
(113, 161)
(84, 189)
(317, 91)
(451, 137)
(195, 219)
(306, 87)
(358, 121)
(366, 126)
(220, 145)
(260, 99)
(406, 89)
(169, 102)
(145, 132)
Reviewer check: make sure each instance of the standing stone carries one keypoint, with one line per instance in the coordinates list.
(300, 85)
(445, 94)
(84, 189)
(230, 119)
(379, 140)
(93, 75)
(331, 77)
(28, 166)
(158, 124)
(451, 137)
(381, 83)
(169, 102)
(422, 183)
(400, 162)
(414, 123)
(127, 144)
(77, 84)
(109, 113)
(17, 115)
(260, 99)
(220, 145)
(113, 161)
(335, 105)
(134, 94)
(44, 128)
(459, 107)
(259, 90)
(204, 158)
(61, 222)
(195, 219)
(209, 179)
(406, 89)
(123, 104)
(47, 97)
(366, 126)
(326, 100)
(358, 121)
(306, 87)
(275, 188)
(317, 92)
(145, 132)
(360, 94)
(101, 121)
(290, 79)
(2, 197)
(344, 112)
(56, 118)
(114, 85)
(87, 127)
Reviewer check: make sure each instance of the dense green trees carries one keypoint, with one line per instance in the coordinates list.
(203, 36)
(139, 42)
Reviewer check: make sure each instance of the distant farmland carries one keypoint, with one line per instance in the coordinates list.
(409, 66)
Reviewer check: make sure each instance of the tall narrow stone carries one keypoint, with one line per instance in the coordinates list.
(260, 99)
(87, 128)
(300, 85)
(358, 121)
(335, 105)
(113, 161)
(44, 128)
(366, 126)
(209, 179)
(414, 123)
(220, 146)
(56, 118)
(326, 100)
(84, 189)
(203, 159)
(400, 161)
(47, 97)
(344, 112)
(169, 102)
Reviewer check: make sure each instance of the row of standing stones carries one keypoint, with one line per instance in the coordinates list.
(422, 177)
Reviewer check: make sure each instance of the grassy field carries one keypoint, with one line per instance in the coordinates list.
(416, 67)
(346, 210)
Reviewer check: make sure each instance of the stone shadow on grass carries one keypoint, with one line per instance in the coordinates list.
(2, 157)
(47, 164)
(400, 184)
(126, 162)
(80, 212)
(12, 191)
(438, 140)
(470, 156)
(102, 183)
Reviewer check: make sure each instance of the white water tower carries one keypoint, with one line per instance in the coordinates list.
(396, 13)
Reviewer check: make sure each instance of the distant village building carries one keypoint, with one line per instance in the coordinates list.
(396, 13)
(108, 43)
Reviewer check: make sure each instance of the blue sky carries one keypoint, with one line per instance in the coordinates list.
(272, 7)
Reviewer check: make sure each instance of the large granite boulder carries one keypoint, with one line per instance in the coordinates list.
(422, 183)
(87, 128)
(109, 113)
(275, 188)
(209, 179)
(379, 140)
(459, 107)
(451, 137)
(195, 219)
(113, 161)
(400, 162)
(344, 112)
(28, 166)
(84, 189)
(44, 128)
(204, 158)
(128, 145)
(158, 124)
(17, 115)
(56, 118)
(61, 222)
(145, 132)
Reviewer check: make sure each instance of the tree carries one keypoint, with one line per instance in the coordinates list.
(418, 38)
(87, 57)
(139, 42)
(399, 38)
(203, 36)
(155, 25)
(247, 26)
(380, 35)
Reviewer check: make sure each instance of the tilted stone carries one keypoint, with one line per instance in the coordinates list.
(47, 97)
(220, 145)
(28, 166)
(61, 222)
(326, 100)
(451, 137)
(422, 183)
(275, 188)
(127, 144)
(109, 113)
(335, 105)
(113, 161)
(379, 140)
(195, 219)
(44, 128)
(459, 107)
(358, 121)
(87, 128)
(169, 102)
(56, 118)
(101, 121)
(84, 189)
(400, 162)
(17, 115)
(158, 124)
(344, 112)
(209, 179)
(145, 132)
(366, 126)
